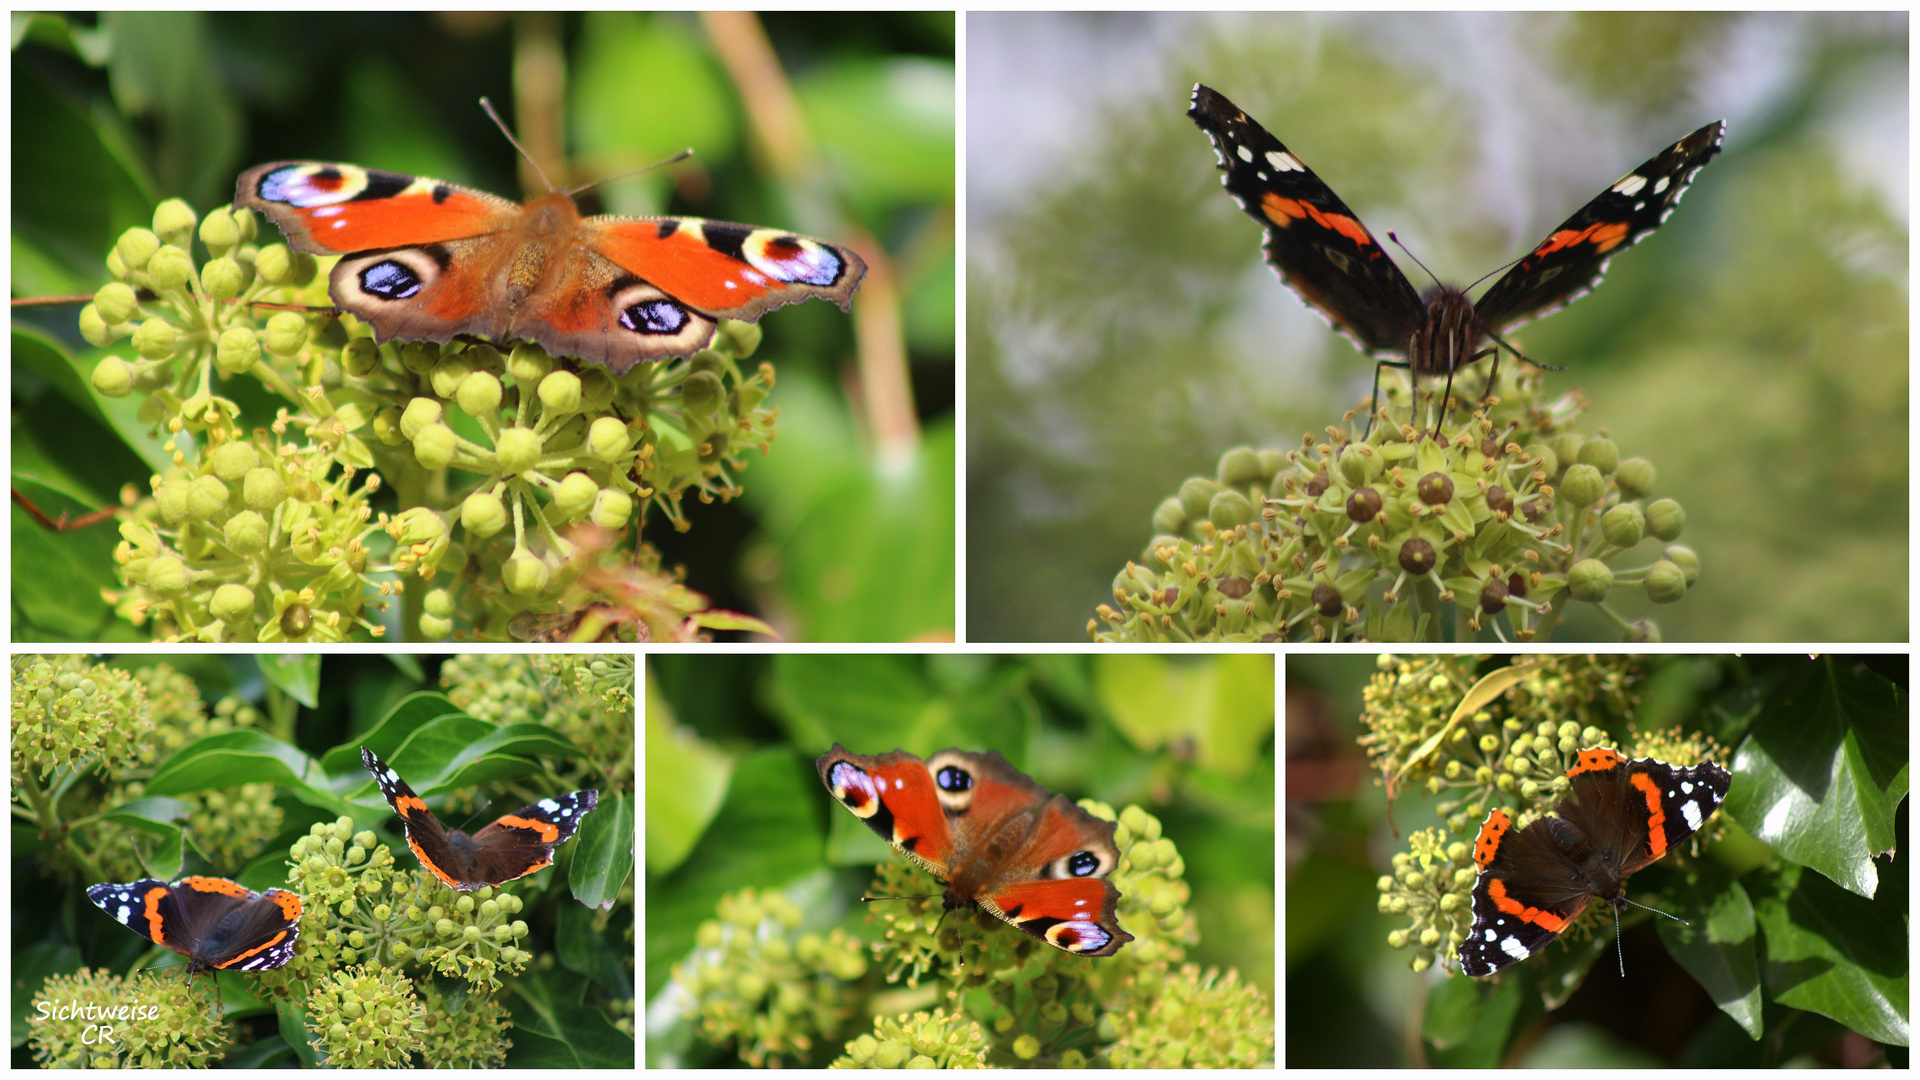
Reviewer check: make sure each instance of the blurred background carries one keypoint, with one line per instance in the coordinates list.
(733, 799)
(1124, 329)
(839, 126)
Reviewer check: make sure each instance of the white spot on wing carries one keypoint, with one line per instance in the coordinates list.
(1630, 184)
(1284, 161)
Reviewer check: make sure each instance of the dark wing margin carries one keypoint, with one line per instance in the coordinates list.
(1317, 244)
(1572, 259)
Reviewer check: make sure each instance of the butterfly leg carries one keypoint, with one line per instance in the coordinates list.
(1374, 400)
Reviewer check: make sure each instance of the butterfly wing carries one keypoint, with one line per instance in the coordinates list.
(894, 795)
(725, 270)
(420, 260)
(1058, 890)
(1571, 261)
(1317, 244)
(332, 209)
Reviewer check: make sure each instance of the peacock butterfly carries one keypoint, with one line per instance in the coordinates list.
(424, 260)
(998, 839)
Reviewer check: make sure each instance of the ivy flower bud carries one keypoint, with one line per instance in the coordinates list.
(524, 575)
(1665, 582)
(700, 395)
(575, 495)
(1602, 454)
(1196, 496)
(231, 602)
(607, 439)
(438, 602)
(360, 358)
(94, 328)
(263, 490)
(1240, 467)
(135, 247)
(167, 575)
(1624, 525)
(170, 268)
(739, 339)
(286, 334)
(220, 231)
(1590, 580)
(528, 364)
(154, 340)
(1684, 557)
(518, 450)
(116, 302)
(231, 461)
(1583, 485)
(435, 627)
(421, 411)
(1636, 477)
(449, 373)
(479, 395)
(419, 357)
(435, 446)
(1229, 509)
(171, 499)
(222, 278)
(1169, 517)
(612, 508)
(1665, 519)
(246, 533)
(274, 264)
(113, 377)
(173, 219)
(560, 392)
(238, 351)
(207, 499)
(418, 525)
(386, 426)
(483, 514)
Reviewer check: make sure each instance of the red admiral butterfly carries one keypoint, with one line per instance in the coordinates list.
(1618, 816)
(213, 922)
(1320, 248)
(510, 848)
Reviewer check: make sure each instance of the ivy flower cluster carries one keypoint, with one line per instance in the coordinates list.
(1398, 536)
(451, 477)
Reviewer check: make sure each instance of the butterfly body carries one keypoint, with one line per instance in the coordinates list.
(506, 850)
(425, 260)
(1000, 841)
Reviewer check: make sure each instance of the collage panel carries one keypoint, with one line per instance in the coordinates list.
(294, 364)
(902, 861)
(1216, 394)
(343, 861)
(1625, 861)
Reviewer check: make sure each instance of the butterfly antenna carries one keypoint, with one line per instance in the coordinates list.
(1417, 262)
(681, 156)
(508, 132)
(1616, 928)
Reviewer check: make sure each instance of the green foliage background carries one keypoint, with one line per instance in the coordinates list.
(112, 115)
(733, 799)
(1755, 349)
